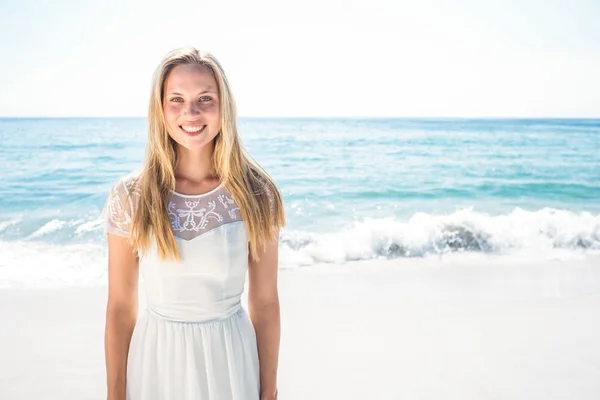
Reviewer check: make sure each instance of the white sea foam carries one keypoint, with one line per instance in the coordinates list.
(78, 225)
(546, 234)
(49, 227)
(42, 265)
(5, 224)
(90, 226)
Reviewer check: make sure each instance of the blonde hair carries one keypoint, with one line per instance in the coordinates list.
(255, 193)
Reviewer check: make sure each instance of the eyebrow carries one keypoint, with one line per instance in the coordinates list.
(209, 89)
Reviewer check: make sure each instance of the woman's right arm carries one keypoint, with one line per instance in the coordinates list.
(121, 312)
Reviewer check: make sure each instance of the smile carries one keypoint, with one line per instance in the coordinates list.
(192, 129)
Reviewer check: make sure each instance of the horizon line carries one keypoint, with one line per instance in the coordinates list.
(327, 117)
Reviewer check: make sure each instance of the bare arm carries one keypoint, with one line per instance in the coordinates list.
(121, 312)
(263, 305)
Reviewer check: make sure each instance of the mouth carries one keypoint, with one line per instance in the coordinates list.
(192, 130)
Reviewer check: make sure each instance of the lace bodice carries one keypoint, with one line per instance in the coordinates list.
(190, 215)
(209, 280)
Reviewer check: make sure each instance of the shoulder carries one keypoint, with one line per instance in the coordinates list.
(127, 185)
(119, 208)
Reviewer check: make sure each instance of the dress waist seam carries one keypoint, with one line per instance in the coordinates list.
(234, 311)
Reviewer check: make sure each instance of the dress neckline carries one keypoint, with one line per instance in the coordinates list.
(198, 195)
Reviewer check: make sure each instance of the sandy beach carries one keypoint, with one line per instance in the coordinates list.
(452, 328)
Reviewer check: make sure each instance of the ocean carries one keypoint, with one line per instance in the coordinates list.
(354, 189)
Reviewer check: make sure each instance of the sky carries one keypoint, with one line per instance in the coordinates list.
(310, 58)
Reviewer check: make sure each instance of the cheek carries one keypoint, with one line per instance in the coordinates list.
(171, 112)
(214, 111)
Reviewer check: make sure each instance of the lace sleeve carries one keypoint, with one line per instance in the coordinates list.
(118, 211)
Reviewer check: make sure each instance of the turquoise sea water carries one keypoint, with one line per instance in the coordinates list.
(353, 189)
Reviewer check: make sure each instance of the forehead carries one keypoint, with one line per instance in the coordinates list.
(190, 77)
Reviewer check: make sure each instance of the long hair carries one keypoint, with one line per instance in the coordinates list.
(255, 193)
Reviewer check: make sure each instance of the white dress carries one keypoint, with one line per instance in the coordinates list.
(194, 340)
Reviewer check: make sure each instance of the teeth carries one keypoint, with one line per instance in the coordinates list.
(192, 129)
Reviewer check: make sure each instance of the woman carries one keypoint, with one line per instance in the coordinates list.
(198, 216)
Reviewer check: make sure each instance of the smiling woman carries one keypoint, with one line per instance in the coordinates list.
(198, 216)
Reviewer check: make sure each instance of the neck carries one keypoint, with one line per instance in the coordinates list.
(195, 165)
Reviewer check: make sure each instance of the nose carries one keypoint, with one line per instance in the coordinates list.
(192, 108)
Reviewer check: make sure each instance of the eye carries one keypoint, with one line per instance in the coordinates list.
(177, 99)
(206, 97)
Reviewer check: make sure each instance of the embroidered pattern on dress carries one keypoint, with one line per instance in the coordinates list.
(118, 213)
(191, 224)
(188, 216)
(226, 201)
(199, 215)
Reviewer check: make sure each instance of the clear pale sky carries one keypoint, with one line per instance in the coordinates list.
(321, 58)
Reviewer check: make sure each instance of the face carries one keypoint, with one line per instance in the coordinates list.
(191, 106)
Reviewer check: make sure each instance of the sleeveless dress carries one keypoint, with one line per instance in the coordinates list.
(194, 340)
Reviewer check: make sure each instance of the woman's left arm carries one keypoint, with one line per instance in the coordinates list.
(263, 307)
